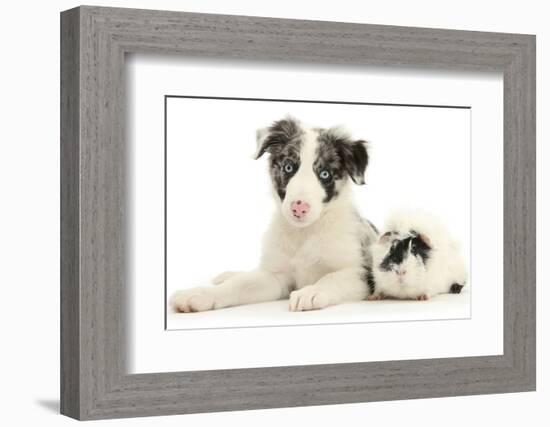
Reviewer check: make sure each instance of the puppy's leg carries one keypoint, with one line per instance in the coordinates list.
(239, 289)
(222, 277)
(334, 288)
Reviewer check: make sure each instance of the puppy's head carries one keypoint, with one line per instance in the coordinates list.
(310, 167)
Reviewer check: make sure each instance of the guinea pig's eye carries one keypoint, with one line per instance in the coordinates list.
(324, 175)
(288, 167)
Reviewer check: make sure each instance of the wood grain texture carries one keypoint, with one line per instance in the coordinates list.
(94, 383)
(70, 221)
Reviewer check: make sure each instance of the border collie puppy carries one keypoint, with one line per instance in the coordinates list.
(315, 251)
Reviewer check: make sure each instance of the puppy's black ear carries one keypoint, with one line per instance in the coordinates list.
(355, 157)
(271, 139)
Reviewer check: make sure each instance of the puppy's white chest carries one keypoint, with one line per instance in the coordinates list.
(307, 267)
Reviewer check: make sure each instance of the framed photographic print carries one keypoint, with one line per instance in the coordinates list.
(261, 213)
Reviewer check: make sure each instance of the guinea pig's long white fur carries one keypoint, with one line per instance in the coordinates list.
(418, 279)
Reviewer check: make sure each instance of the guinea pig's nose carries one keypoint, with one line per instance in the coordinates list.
(401, 272)
(299, 208)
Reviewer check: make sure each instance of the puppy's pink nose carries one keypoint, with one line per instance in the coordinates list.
(299, 208)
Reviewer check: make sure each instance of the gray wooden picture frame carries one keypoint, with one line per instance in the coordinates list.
(94, 41)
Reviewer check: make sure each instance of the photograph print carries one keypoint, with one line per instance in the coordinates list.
(283, 212)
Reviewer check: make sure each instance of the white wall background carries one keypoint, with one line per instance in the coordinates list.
(29, 230)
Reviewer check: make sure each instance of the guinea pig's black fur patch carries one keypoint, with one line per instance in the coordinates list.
(399, 251)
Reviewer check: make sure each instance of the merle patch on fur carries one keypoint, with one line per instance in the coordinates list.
(399, 251)
(283, 144)
(456, 288)
(368, 278)
(367, 274)
(279, 135)
(339, 156)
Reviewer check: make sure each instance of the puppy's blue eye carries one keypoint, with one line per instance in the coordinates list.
(288, 168)
(324, 174)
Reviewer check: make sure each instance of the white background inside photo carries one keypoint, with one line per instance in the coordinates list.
(219, 204)
(219, 200)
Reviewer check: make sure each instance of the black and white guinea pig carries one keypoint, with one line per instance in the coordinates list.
(415, 258)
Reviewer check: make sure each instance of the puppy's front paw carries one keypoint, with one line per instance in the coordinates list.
(192, 300)
(309, 298)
